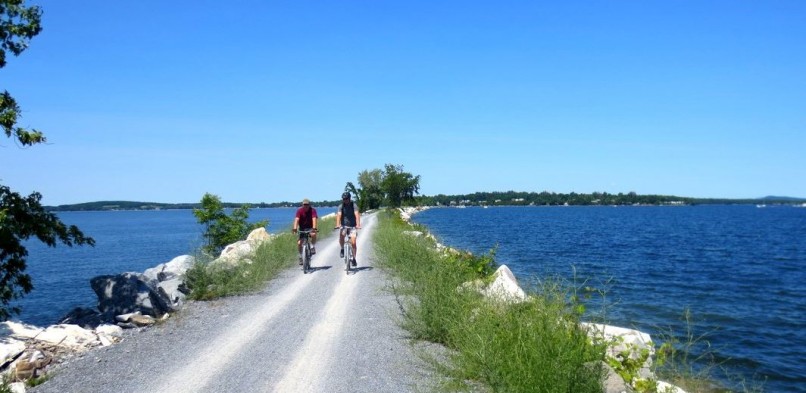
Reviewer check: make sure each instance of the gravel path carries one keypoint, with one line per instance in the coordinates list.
(321, 332)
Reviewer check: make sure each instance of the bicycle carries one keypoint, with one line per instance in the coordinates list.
(348, 248)
(306, 249)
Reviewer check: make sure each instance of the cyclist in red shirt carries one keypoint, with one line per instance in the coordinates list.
(304, 220)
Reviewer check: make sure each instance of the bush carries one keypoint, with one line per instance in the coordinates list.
(222, 229)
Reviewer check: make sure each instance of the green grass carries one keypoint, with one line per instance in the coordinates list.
(533, 346)
(210, 281)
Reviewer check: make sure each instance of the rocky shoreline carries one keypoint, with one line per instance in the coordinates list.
(127, 300)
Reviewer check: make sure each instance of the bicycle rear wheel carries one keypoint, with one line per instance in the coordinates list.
(348, 252)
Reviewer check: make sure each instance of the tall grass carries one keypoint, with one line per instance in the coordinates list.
(688, 360)
(210, 281)
(534, 346)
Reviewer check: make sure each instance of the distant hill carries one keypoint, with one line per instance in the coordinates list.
(508, 198)
(782, 198)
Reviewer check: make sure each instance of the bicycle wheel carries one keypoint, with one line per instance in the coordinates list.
(348, 251)
(306, 261)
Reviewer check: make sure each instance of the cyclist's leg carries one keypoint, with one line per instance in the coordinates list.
(354, 244)
(341, 242)
(313, 242)
(299, 248)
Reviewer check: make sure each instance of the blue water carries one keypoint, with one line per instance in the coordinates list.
(125, 241)
(740, 270)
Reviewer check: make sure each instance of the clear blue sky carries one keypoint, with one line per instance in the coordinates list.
(266, 101)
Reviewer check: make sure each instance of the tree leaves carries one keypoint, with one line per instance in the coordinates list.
(22, 218)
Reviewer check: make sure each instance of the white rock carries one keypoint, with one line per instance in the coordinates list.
(10, 348)
(235, 252)
(609, 332)
(665, 387)
(69, 336)
(173, 268)
(105, 340)
(505, 286)
(19, 330)
(17, 387)
(258, 235)
(109, 330)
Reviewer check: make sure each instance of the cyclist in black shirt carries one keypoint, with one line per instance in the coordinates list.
(349, 219)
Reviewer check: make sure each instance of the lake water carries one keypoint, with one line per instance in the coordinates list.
(125, 241)
(740, 270)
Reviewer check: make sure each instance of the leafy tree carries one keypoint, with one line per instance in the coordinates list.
(370, 195)
(222, 229)
(22, 217)
(391, 186)
(18, 24)
(399, 186)
(371, 185)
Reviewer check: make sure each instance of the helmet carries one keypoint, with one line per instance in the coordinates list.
(345, 195)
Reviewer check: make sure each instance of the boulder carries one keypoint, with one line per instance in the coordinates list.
(174, 268)
(174, 290)
(504, 287)
(108, 334)
(10, 349)
(234, 253)
(135, 319)
(88, 318)
(69, 336)
(258, 235)
(129, 292)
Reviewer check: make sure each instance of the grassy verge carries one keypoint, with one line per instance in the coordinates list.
(210, 281)
(533, 346)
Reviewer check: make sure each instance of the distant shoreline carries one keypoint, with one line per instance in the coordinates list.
(450, 201)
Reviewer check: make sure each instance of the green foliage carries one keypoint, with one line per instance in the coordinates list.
(4, 384)
(535, 346)
(18, 25)
(399, 186)
(21, 219)
(545, 198)
(370, 195)
(222, 229)
(392, 187)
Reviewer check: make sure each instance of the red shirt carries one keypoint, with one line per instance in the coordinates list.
(306, 218)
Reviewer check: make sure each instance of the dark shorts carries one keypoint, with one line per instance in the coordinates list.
(303, 235)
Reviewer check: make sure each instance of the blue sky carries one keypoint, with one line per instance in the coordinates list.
(266, 101)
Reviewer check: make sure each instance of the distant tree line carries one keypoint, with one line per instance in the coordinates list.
(545, 198)
(372, 194)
